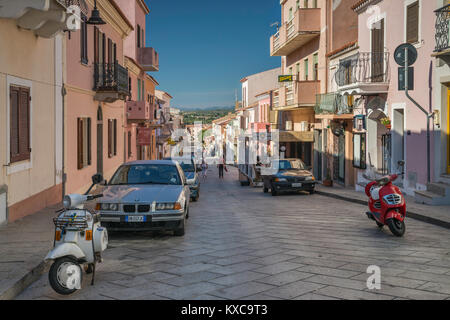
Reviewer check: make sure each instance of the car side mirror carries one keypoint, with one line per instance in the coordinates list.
(97, 178)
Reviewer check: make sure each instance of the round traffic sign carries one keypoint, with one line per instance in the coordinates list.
(399, 54)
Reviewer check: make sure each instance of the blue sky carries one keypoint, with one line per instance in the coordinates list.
(206, 46)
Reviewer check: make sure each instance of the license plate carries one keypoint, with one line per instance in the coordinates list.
(297, 185)
(135, 219)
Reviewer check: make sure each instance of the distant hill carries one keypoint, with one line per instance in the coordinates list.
(206, 116)
(227, 108)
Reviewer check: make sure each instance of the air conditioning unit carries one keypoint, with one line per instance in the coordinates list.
(288, 126)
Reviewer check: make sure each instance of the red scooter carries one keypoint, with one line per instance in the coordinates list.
(387, 204)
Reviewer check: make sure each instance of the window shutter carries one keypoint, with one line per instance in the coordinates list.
(109, 138)
(96, 47)
(80, 143)
(110, 58)
(14, 123)
(24, 124)
(89, 141)
(115, 136)
(412, 23)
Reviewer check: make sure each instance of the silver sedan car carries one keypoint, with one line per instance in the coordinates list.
(146, 195)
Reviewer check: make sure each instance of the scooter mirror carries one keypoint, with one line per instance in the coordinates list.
(97, 178)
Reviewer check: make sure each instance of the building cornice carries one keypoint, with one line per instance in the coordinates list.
(144, 6)
(132, 66)
(362, 5)
(113, 15)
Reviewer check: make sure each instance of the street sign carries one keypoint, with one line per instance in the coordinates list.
(401, 78)
(399, 54)
(286, 78)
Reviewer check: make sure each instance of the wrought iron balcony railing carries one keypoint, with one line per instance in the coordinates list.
(364, 68)
(442, 28)
(332, 103)
(111, 77)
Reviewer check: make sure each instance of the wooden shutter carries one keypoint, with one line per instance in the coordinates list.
(109, 138)
(89, 141)
(19, 124)
(412, 23)
(96, 45)
(378, 51)
(115, 136)
(110, 58)
(80, 143)
(138, 36)
(14, 123)
(114, 52)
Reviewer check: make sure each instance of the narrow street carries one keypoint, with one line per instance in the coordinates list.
(243, 244)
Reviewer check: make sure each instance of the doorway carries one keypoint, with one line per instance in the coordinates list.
(100, 140)
(398, 138)
(318, 157)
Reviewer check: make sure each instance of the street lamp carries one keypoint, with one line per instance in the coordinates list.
(95, 16)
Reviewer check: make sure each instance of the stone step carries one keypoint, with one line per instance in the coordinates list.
(431, 198)
(445, 178)
(441, 189)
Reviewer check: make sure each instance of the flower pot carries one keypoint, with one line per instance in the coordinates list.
(388, 126)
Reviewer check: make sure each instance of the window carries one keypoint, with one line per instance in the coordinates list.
(129, 144)
(139, 90)
(306, 69)
(84, 142)
(316, 66)
(138, 36)
(19, 124)
(412, 23)
(112, 137)
(291, 14)
(83, 36)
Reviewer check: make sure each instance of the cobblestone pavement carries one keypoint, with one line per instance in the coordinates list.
(243, 244)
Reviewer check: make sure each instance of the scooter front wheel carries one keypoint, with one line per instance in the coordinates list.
(397, 227)
(65, 276)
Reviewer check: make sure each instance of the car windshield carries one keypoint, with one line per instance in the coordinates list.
(291, 164)
(146, 174)
(187, 167)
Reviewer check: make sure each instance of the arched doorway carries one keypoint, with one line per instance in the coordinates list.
(378, 143)
(99, 140)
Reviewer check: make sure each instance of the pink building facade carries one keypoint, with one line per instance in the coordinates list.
(389, 126)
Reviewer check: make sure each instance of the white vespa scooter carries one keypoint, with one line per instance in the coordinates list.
(79, 241)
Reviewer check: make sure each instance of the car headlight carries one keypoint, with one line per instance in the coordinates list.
(168, 206)
(109, 207)
(310, 178)
(280, 180)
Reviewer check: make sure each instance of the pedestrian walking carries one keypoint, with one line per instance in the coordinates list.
(221, 166)
(204, 170)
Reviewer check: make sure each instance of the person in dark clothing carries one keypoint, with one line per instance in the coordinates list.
(221, 167)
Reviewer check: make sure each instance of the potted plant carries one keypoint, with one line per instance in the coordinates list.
(386, 122)
(328, 182)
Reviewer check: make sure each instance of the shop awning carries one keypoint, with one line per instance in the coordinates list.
(296, 136)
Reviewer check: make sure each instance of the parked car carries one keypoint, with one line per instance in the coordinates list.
(288, 175)
(146, 195)
(191, 173)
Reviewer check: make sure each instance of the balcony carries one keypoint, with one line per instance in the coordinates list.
(138, 111)
(110, 82)
(304, 27)
(148, 58)
(298, 94)
(442, 33)
(333, 105)
(45, 18)
(365, 73)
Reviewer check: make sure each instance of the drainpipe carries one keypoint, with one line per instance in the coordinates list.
(64, 178)
(428, 115)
